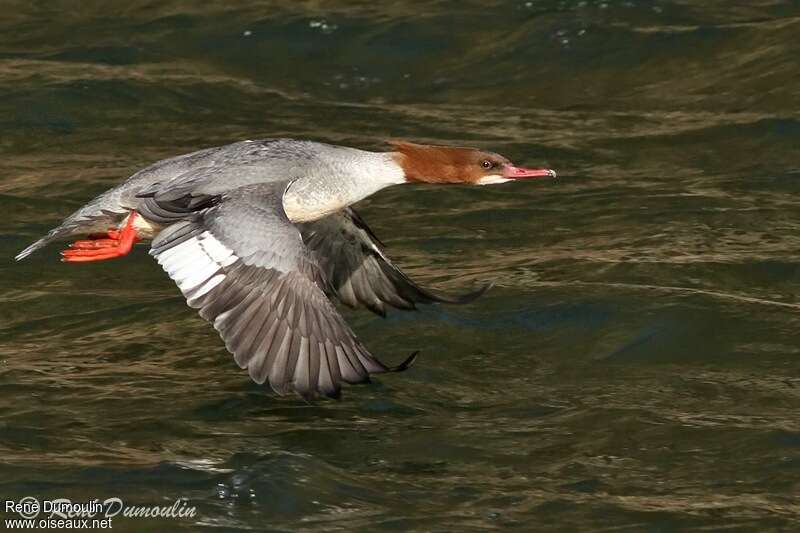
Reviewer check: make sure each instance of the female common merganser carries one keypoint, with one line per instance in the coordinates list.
(260, 236)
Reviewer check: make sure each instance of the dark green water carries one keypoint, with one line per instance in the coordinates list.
(636, 367)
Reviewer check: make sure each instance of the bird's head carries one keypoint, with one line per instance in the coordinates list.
(446, 164)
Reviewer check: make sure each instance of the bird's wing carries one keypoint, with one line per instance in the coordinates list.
(239, 260)
(358, 271)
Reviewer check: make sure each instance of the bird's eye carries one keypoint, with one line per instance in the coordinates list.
(487, 164)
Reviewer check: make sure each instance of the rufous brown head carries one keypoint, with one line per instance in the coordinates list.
(447, 164)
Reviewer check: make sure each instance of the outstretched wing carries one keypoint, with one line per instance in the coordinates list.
(353, 262)
(239, 260)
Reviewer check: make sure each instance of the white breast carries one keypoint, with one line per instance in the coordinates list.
(145, 230)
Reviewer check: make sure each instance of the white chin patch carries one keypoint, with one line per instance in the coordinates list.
(492, 179)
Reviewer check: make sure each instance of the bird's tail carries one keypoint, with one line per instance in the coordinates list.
(65, 230)
(41, 243)
(99, 214)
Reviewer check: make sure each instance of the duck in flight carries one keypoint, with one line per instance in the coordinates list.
(260, 237)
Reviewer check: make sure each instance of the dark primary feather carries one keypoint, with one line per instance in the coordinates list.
(244, 266)
(352, 260)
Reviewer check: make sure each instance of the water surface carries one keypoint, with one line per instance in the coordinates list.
(636, 366)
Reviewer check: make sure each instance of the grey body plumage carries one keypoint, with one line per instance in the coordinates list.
(209, 171)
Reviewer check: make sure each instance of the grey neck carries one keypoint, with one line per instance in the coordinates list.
(338, 179)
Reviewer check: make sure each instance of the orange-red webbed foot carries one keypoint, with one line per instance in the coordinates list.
(94, 244)
(107, 246)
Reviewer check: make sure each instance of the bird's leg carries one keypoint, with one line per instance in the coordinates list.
(114, 243)
(110, 234)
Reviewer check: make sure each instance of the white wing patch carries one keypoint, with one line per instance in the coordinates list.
(197, 264)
